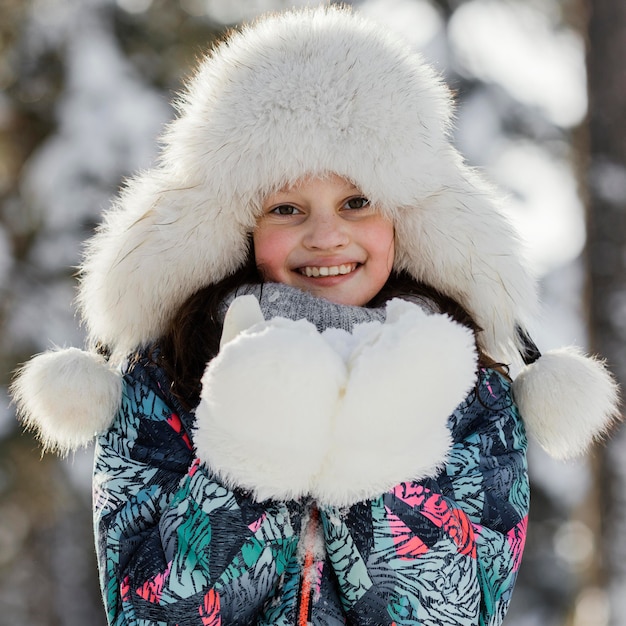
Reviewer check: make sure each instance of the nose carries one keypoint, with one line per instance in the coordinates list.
(326, 232)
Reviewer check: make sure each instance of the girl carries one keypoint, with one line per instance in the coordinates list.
(311, 300)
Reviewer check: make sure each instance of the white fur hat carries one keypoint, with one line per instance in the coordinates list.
(304, 93)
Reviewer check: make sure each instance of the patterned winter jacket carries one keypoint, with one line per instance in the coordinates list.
(177, 547)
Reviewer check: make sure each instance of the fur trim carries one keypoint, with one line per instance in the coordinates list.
(567, 401)
(303, 92)
(66, 397)
(264, 419)
(405, 379)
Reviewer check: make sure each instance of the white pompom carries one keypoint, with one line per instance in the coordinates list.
(567, 400)
(66, 397)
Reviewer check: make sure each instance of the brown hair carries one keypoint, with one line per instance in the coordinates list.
(193, 335)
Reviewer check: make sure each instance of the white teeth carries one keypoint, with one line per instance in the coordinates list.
(333, 270)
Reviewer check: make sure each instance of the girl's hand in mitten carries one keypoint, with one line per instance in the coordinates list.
(263, 422)
(405, 378)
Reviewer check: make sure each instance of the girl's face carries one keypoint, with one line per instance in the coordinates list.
(323, 236)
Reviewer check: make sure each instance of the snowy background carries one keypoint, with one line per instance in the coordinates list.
(85, 90)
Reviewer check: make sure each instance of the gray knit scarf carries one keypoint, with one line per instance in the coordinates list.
(278, 300)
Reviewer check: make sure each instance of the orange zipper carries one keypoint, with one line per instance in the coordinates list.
(308, 573)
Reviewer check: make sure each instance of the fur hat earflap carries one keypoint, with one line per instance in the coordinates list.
(67, 396)
(567, 400)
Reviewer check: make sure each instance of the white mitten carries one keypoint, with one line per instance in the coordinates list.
(263, 422)
(405, 379)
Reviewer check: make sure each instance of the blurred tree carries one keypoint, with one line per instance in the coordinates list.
(83, 94)
(607, 264)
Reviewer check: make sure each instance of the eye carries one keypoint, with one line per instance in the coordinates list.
(285, 209)
(358, 202)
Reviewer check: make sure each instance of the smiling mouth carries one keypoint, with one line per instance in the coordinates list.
(311, 271)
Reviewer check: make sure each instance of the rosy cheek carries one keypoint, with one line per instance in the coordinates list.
(391, 254)
(270, 251)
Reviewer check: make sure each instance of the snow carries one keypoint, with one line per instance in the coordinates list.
(79, 468)
(60, 248)
(230, 12)
(108, 121)
(134, 6)
(567, 484)
(609, 181)
(417, 21)
(518, 47)
(52, 23)
(562, 321)
(479, 126)
(574, 542)
(544, 203)
(42, 314)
